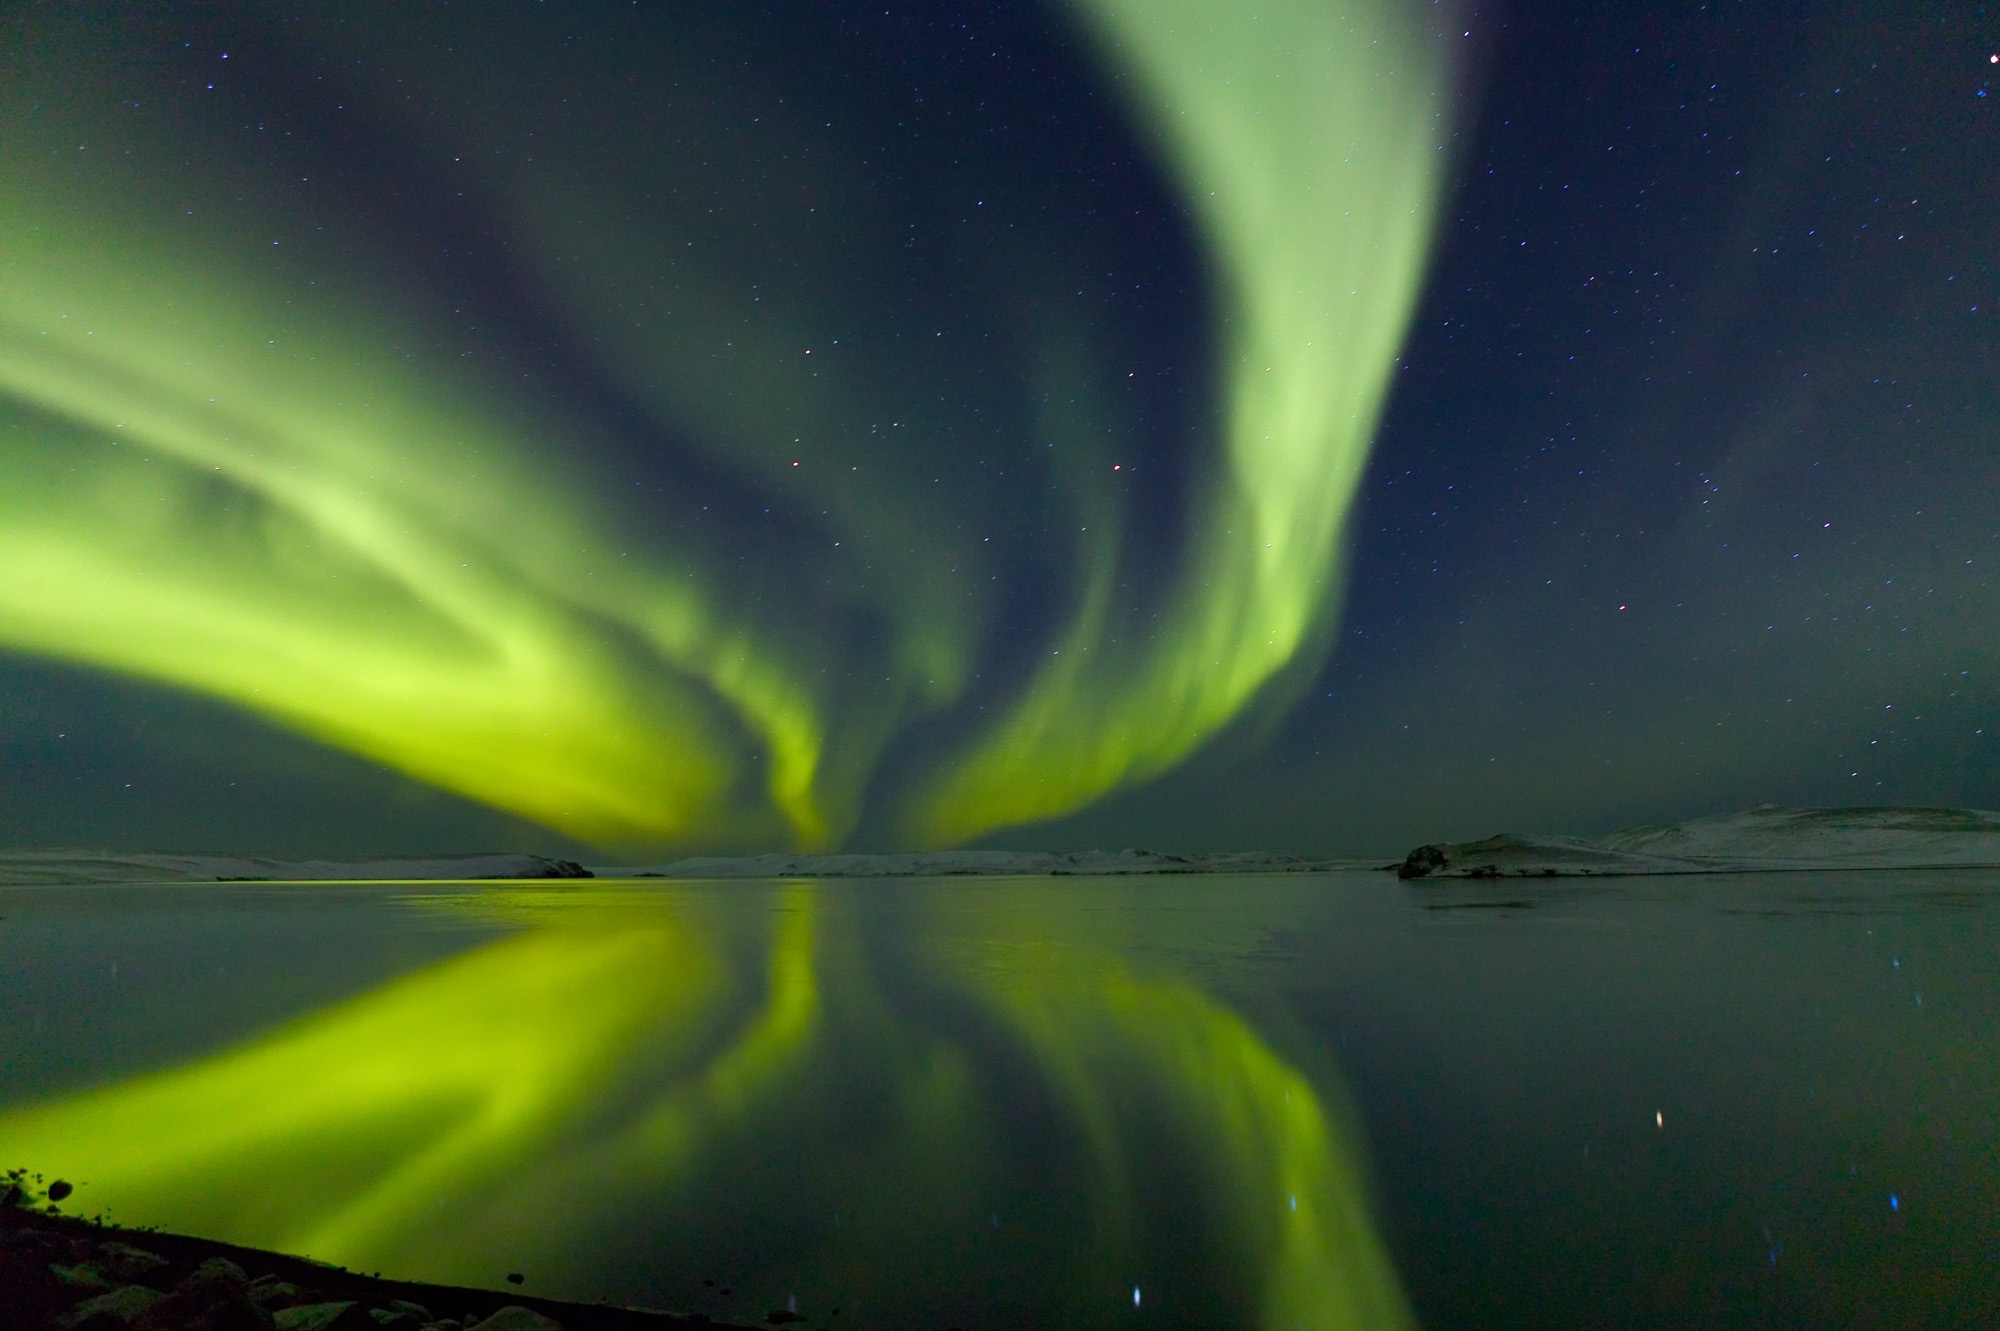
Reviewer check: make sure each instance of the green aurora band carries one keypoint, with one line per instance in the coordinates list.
(635, 1074)
(1307, 142)
(227, 471)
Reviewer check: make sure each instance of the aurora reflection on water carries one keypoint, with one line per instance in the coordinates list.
(638, 1087)
(1008, 1102)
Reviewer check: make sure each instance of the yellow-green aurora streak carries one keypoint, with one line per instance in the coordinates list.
(222, 473)
(1307, 142)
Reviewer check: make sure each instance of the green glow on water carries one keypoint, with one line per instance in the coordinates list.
(336, 1135)
(1287, 1192)
(725, 1076)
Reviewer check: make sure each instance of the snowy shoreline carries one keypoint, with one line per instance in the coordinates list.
(1766, 839)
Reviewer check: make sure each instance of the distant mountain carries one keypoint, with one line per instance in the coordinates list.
(1761, 839)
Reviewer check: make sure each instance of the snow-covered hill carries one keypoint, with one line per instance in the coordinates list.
(1760, 839)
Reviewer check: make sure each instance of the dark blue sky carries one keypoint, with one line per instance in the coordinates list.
(1686, 499)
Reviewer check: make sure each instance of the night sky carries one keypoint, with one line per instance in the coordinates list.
(618, 429)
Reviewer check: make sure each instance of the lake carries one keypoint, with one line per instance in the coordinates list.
(1284, 1100)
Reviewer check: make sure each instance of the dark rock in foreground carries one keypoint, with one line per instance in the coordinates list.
(1760, 840)
(61, 1274)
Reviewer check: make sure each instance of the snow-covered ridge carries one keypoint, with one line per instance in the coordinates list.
(84, 866)
(91, 866)
(950, 863)
(1762, 839)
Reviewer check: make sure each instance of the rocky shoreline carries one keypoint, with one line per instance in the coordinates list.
(58, 1273)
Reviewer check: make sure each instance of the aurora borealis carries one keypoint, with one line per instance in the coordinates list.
(633, 520)
(1045, 426)
(627, 431)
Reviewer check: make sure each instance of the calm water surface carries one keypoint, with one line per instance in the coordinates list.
(1285, 1101)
